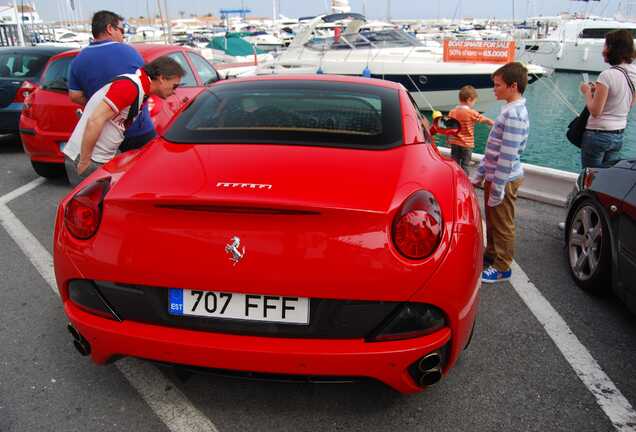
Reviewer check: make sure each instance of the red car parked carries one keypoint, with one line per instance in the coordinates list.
(283, 226)
(49, 117)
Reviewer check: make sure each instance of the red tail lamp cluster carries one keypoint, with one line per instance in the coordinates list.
(417, 227)
(83, 212)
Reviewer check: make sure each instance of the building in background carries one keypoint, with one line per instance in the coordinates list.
(27, 13)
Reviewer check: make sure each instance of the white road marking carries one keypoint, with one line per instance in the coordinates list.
(32, 248)
(167, 401)
(608, 396)
(21, 190)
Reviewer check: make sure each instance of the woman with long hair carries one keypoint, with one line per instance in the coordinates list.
(609, 101)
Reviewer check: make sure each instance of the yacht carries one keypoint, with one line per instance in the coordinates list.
(574, 45)
(389, 54)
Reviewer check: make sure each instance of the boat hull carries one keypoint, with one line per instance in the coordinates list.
(579, 56)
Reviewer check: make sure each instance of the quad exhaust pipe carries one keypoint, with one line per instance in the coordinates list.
(430, 369)
(79, 342)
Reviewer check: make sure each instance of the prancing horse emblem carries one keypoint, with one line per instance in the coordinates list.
(233, 249)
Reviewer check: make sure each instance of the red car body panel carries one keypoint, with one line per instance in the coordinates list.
(51, 118)
(333, 241)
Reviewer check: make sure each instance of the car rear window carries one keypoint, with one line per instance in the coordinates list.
(18, 65)
(292, 112)
(56, 75)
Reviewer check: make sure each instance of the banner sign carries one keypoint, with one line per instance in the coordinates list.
(478, 51)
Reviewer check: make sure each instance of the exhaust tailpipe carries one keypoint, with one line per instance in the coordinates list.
(430, 377)
(429, 362)
(79, 342)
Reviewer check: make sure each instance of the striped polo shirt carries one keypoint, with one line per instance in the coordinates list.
(507, 140)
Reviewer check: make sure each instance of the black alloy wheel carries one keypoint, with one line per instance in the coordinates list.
(588, 247)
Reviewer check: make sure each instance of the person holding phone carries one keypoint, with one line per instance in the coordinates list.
(609, 101)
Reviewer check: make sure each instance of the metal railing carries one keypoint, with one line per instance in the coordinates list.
(33, 34)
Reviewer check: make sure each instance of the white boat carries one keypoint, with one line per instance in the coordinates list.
(389, 54)
(264, 40)
(574, 45)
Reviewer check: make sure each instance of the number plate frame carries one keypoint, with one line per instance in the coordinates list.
(239, 306)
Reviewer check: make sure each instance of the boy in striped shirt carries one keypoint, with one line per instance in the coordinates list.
(502, 172)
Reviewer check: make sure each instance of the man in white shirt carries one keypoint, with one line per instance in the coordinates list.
(111, 110)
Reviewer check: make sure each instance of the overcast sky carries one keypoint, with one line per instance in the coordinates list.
(51, 10)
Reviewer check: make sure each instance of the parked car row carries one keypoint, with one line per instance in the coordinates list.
(317, 230)
(318, 132)
(49, 117)
(20, 72)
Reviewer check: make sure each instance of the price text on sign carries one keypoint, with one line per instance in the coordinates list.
(468, 51)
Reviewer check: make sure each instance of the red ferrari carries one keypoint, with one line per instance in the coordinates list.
(49, 116)
(283, 226)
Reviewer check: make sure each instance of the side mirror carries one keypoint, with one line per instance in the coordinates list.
(213, 80)
(445, 125)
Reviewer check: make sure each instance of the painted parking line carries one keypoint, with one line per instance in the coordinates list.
(608, 396)
(167, 401)
(21, 190)
(615, 406)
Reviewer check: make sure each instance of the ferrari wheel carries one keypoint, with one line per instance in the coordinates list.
(588, 247)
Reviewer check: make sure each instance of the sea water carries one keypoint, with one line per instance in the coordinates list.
(549, 118)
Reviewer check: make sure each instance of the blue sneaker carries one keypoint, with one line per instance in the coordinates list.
(492, 275)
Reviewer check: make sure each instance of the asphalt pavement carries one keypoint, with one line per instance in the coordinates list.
(515, 376)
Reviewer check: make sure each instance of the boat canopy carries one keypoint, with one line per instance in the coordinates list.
(233, 45)
(390, 38)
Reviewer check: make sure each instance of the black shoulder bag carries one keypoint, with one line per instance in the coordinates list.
(576, 128)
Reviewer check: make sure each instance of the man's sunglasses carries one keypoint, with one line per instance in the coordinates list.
(121, 29)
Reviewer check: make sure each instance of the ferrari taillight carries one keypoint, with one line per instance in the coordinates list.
(417, 227)
(84, 211)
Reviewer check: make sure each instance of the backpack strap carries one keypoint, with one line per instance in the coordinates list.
(133, 111)
(629, 81)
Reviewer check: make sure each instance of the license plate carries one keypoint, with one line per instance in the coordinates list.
(251, 307)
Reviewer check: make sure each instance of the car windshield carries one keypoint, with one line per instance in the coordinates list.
(18, 65)
(56, 75)
(293, 112)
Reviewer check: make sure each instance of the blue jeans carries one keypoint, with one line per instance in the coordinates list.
(599, 149)
(71, 170)
(462, 155)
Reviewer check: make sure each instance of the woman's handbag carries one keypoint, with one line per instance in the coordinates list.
(576, 128)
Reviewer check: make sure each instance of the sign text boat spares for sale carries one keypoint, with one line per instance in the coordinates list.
(476, 51)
